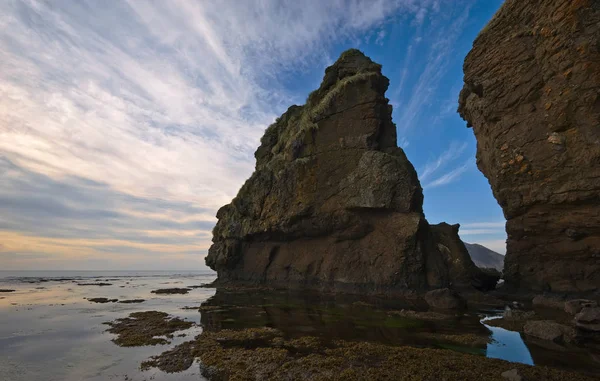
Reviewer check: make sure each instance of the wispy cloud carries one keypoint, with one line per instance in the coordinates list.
(139, 118)
(452, 153)
(490, 234)
(478, 231)
(484, 225)
(440, 43)
(450, 176)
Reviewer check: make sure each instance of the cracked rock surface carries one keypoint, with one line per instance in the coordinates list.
(334, 204)
(532, 96)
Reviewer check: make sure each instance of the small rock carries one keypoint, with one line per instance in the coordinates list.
(555, 138)
(514, 314)
(445, 299)
(575, 306)
(512, 375)
(102, 300)
(171, 291)
(130, 301)
(588, 319)
(549, 330)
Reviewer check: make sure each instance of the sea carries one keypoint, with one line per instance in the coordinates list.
(50, 330)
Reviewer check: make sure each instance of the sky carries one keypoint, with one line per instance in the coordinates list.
(125, 124)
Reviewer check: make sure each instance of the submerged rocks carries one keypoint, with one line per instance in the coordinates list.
(334, 204)
(146, 328)
(531, 94)
(132, 301)
(103, 300)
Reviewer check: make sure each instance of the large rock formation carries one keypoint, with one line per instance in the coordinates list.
(334, 203)
(532, 96)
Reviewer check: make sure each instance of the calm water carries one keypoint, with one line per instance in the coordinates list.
(48, 331)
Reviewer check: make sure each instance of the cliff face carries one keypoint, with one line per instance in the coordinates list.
(532, 96)
(334, 203)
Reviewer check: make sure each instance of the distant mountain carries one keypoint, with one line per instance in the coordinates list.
(484, 257)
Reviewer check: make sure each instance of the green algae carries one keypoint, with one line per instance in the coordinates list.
(261, 354)
(146, 328)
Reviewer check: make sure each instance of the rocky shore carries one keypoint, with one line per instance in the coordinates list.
(335, 206)
(264, 354)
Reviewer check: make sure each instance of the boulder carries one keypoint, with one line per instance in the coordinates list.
(588, 319)
(444, 299)
(334, 204)
(516, 314)
(512, 375)
(549, 330)
(575, 306)
(532, 94)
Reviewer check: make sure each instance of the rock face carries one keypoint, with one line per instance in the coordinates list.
(532, 96)
(334, 203)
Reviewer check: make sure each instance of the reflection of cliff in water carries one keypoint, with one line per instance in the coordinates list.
(339, 317)
(372, 319)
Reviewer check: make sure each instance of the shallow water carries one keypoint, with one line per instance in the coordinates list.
(342, 317)
(507, 345)
(48, 331)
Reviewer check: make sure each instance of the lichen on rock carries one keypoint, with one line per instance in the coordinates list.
(334, 203)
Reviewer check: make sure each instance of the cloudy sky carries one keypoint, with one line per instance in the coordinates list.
(125, 124)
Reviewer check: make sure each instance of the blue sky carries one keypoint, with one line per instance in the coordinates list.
(124, 125)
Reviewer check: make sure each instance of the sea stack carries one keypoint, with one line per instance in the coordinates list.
(334, 204)
(532, 96)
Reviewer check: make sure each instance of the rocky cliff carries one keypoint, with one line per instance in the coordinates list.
(532, 96)
(334, 204)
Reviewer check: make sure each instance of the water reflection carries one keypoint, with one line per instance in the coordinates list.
(345, 317)
(341, 317)
(53, 333)
(507, 345)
